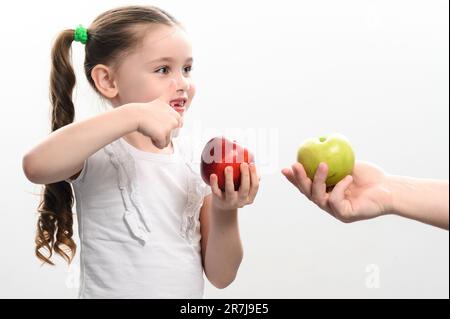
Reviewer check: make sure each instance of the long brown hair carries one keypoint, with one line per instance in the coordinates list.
(110, 36)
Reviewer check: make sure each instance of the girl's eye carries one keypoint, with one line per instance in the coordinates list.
(163, 70)
(166, 69)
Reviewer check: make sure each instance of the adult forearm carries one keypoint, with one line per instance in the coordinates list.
(421, 199)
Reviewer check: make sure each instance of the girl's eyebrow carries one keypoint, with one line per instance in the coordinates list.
(169, 59)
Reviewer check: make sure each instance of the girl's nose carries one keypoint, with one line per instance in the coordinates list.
(182, 83)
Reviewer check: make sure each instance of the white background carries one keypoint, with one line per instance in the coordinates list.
(375, 71)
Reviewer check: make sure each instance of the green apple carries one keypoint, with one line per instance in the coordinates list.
(333, 149)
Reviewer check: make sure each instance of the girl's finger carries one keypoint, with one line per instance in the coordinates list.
(214, 181)
(229, 184)
(245, 182)
(254, 181)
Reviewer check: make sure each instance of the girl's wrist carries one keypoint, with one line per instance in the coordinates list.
(221, 215)
(131, 114)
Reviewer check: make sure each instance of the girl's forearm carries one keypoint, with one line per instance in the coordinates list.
(224, 252)
(63, 152)
(420, 199)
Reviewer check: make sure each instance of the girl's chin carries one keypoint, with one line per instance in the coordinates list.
(175, 132)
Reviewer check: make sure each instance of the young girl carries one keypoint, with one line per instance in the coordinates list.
(139, 200)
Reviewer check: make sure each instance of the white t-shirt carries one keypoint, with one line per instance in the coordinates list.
(138, 217)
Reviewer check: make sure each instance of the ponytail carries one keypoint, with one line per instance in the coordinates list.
(55, 223)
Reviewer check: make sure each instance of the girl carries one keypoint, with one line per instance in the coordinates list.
(140, 201)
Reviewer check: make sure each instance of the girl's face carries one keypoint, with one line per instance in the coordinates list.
(165, 55)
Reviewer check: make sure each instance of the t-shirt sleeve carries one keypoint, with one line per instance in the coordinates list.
(192, 155)
(207, 190)
(80, 178)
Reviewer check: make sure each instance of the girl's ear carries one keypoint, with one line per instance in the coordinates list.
(104, 81)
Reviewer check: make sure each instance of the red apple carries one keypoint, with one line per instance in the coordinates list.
(219, 153)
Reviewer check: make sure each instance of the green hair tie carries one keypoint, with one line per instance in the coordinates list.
(80, 34)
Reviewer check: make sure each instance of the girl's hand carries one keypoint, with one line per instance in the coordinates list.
(362, 195)
(231, 199)
(157, 119)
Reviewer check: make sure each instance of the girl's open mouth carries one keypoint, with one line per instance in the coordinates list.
(179, 105)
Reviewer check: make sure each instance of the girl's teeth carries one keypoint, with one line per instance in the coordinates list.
(177, 104)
